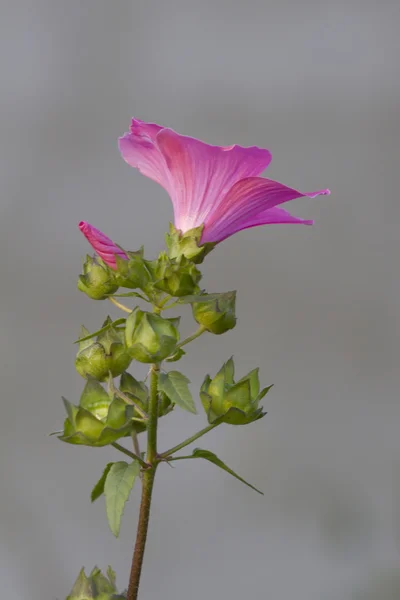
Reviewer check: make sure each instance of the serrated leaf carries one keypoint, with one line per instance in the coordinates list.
(175, 386)
(98, 489)
(119, 482)
(211, 457)
(92, 335)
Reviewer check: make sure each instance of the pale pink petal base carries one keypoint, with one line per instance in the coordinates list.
(102, 245)
(201, 174)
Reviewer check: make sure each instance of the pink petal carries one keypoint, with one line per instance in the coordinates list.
(139, 150)
(248, 204)
(201, 174)
(103, 246)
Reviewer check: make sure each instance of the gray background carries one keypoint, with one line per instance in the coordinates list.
(317, 83)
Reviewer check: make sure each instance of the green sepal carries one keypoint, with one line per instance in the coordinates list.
(85, 335)
(96, 587)
(98, 420)
(82, 589)
(136, 390)
(215, 314)
(97, 280)
(132, 273)
(106, 355)
(187, 244)
(174, 276)
(150, 338)
(228, 402)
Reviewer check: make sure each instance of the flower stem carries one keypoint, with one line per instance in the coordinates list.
(192, 337)
(129, 453)
(147, 486)
(120, 305)
(167, 454)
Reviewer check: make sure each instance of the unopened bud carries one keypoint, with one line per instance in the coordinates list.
(150, 338)
(230, 402)
(107, 354)
(216, 312)
(97, 280)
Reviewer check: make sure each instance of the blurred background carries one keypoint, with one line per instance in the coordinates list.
(317, 83)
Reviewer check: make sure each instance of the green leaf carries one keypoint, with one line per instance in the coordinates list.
(211, 457)
(117, 487)
(98, 489)
(92, 335)
(175, 386)
(200, 298)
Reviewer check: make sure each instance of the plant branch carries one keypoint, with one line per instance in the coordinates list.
(147, 486)
(167, 454)
(120, 305)
(131, 454)
(192, 337)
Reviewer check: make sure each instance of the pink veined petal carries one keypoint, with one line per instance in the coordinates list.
(201, 174)
(102, 245)
(248, 204)
(150, 130)
(139, 150)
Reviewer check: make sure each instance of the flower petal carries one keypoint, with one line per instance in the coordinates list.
(139, 150)
(103, 246)
(201, 174)
(248, 204)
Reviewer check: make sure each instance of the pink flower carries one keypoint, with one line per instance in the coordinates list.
(217, 186)
(104, 247)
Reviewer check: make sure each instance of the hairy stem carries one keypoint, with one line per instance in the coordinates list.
(147, 486)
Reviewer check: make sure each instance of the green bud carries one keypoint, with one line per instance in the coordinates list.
(139, 393)
(107, 354)
(132, 273)
(97, 280)
(99, 419)
(95, 587)
(150, 338)
(175, 276)
(216, 312)
(187, 244)
(229, 402)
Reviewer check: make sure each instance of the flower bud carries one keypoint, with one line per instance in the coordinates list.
(98, 420)
(216, 312)
(187, 244)
(95, 587)
(132, 272)
(97, 280)
(177, 277)
(229, 402)
(139, 393)
(150, 338)
(96, 359)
